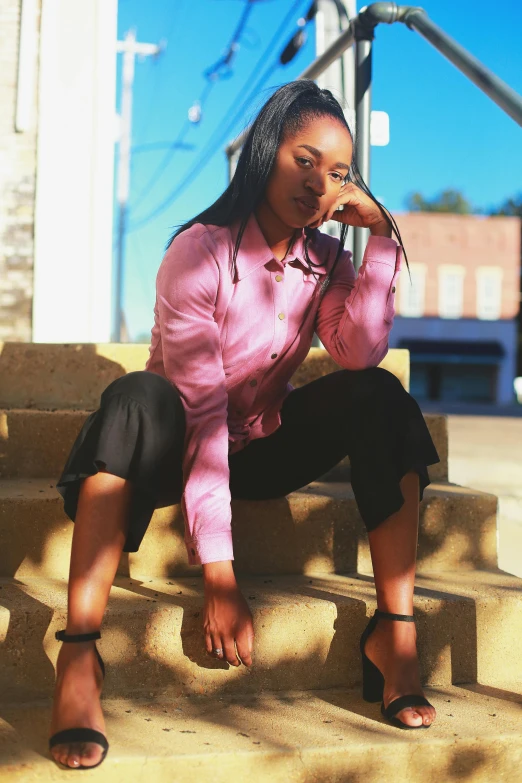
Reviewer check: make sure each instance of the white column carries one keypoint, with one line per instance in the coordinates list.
(75, 170)
(327, 31)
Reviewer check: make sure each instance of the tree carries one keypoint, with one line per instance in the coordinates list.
(448, 200)
(511, 206)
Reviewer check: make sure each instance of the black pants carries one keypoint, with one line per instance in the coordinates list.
(138, 433)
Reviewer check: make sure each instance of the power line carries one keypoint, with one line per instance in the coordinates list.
(175, 14)
(212, 75)
(158, 145)
(212, 146)
(220, 134)
(233, 45)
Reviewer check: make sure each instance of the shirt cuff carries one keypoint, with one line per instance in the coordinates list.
(400, 256)
(383, 250)
(210, 549)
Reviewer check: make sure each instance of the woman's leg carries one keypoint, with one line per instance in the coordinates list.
(392, 645)
(99, 535)
(369, 416)
(137, 434)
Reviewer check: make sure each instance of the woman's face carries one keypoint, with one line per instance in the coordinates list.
(308, 172)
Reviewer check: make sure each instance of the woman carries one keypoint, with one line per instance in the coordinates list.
(240, 292)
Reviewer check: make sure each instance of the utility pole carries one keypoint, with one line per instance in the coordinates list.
(331, 19)
(339, 77)
(129, 48)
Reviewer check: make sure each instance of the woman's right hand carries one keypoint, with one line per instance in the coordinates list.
(227, 617)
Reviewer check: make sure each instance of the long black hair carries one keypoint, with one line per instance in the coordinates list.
(284, 114)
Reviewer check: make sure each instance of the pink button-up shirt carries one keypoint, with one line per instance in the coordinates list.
(230, 346)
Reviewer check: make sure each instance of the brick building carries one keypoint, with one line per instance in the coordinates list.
(458, 316)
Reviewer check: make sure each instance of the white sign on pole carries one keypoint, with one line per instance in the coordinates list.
(379, 129)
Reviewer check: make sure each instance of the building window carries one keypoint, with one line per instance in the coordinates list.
(412, 293)
(489, 292)
(451, 290)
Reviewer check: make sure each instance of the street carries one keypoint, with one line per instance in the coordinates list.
(485, 452)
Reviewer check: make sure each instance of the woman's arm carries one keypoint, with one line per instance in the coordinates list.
(356, 313)
(187, 285)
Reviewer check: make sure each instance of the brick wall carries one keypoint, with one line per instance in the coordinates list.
(17, 188)
(468, 241)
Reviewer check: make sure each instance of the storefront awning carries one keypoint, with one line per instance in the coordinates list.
(454, 351)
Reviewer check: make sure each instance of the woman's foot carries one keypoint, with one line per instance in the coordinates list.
(77, 703)
(392, 647)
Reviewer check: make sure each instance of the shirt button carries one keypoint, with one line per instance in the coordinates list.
(273, 356)
(279, 278)
(393, 290)
(253, 382)
(281, 316)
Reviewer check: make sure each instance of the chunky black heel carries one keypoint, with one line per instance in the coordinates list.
(81, 734)
(373, 680)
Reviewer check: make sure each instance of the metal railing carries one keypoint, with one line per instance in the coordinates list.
(361, 33)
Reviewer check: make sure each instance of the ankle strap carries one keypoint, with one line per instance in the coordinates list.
(79, 637)
(409, 618)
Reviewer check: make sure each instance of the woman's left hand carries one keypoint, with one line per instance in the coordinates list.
(358, 210)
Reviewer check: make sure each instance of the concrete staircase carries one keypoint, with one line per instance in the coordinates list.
(175, 714)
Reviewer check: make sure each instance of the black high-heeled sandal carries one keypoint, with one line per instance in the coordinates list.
(373, 679)
(68, 736)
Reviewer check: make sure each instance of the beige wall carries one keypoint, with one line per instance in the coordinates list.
(62, 101)
(469, 241)
(17, 182)
(74, 188)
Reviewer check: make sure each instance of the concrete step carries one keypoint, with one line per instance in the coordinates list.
(36, 444)
(307, 633)
(73, 376)
(315, 530)
(330, 735)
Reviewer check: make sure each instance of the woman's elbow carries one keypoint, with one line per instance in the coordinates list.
(359, 359)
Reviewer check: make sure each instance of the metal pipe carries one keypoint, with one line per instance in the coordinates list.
(361, 31)
(345, 40)
(417, 19)
(315, 69)
(499, 92)
(363, 108)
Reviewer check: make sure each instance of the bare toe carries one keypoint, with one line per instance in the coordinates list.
(410, 716)
(91, 754)
(428, 715)
(73, 760)
(86, 754)
(59, 754)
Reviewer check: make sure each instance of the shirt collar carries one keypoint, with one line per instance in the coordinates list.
(254, 250)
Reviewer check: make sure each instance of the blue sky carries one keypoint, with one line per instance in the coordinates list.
(444, 132)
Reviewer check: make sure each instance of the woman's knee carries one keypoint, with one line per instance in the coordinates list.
(376, 383)
(141, 385)
(155, 392)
